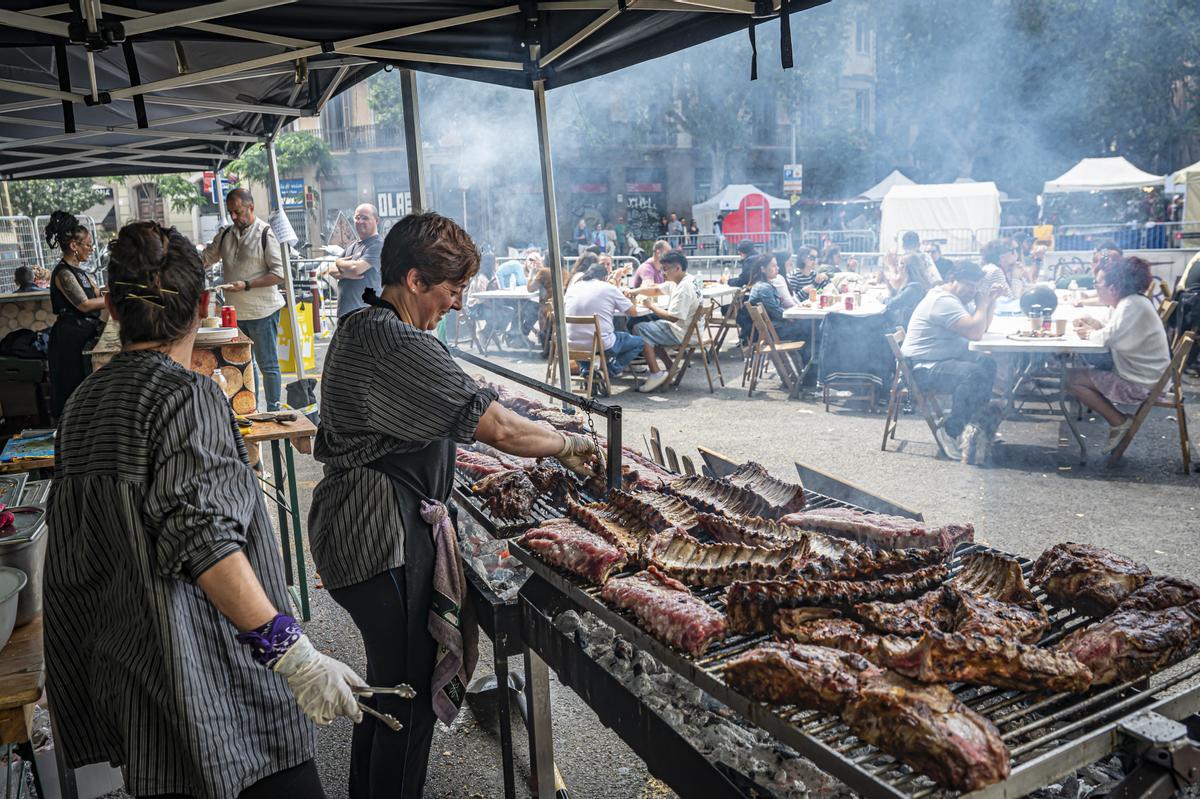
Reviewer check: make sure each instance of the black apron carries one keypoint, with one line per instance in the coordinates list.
(69, 337)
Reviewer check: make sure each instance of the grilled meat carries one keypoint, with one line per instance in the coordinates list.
(784, 498)
(478, 465)
(924, 726)
(659, 511)
(614, 524)
(1160, 593)
(880, 531)
(949, 657)
(951, 609)
(650, 474)
(764, 532)
(553, 481)
(680, 556)
(929, 729)
(1090, 579)
(507, 495)
(751, 605)
(910, 617)
(719, 496)
(995, 575)
(867, 564)
(1134, 643)
(562, 543)
(667, 609)
(975, 613)
(815, 677)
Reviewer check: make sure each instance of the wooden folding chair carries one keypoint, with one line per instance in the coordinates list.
(593, 355)
(781, 354)
(719, 326)
(1174, 400)
(903, 383)
(694, 341)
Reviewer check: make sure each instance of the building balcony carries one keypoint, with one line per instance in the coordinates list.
(359, 138)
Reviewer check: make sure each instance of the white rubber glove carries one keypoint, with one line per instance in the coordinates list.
(320, 683)
(581, 455)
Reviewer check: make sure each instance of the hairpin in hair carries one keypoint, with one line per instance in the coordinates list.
(145, 299)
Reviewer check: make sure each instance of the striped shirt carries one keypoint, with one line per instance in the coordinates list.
(151, 488)
(386, 388)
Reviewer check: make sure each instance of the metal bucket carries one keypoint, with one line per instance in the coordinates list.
(12, 582)
(25, 549)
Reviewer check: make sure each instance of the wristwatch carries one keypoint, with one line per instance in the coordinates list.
(245, 285)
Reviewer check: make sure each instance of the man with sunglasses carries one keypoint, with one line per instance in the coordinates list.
(358, 269)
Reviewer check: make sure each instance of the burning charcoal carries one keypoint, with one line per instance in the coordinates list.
(568, 622)
(623, 649)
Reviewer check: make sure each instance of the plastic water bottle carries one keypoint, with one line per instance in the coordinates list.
(725, 275)
(1073, 288)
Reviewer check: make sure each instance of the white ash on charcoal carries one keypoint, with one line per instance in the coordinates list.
(490, 559)
(713, 729)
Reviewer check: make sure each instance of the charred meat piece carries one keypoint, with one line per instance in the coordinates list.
(1134, 643)
(752, 605)
(866, 564)
(813, 677)
(507, 495)
(659, 511)
(553, 481)
(911, 617)
(951, 609)
(764, 532)
(924, 726)
(975, 613)
(995, 575)
(938, 657)
(1160, 593)
(649, 472)
(719, 496)
(880, 531)
(667, 609)
(783, 498)
(562, 543)
(929, 729)
(614, 524)
(680, 556)
(1090, 579)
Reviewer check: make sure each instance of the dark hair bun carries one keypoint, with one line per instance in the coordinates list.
(62, 229)
(156, 279)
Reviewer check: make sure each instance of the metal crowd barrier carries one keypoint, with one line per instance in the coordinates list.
(20, 245)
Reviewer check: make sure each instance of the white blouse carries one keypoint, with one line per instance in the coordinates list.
(1137, 340)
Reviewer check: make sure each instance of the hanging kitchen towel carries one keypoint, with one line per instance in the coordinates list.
(450, 624)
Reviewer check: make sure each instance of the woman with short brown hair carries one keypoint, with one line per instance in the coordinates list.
(393, 406)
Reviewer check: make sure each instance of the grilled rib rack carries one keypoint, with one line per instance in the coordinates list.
(1049, 736)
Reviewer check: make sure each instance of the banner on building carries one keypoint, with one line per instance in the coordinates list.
(393, 203)
(292, 192)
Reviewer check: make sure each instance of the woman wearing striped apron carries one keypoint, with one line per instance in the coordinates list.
(167, 653)
(393, 406)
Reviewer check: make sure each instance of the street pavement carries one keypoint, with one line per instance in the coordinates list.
(1034, 495)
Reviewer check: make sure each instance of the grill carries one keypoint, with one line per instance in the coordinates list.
(1049, 736)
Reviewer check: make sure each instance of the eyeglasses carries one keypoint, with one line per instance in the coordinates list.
(362, 218)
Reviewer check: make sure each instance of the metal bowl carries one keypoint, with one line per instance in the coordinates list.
(11, 582)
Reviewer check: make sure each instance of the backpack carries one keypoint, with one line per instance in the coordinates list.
(25, 343)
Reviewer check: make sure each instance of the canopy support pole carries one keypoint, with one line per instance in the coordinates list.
(412, 140)
(218, 176)
(276, 202)
(554, 256)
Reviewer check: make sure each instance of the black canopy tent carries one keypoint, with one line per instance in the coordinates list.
(98, 88)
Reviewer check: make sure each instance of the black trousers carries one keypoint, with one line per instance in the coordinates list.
(969, 378)
(298, 782)
(68, 366)
(386, 764)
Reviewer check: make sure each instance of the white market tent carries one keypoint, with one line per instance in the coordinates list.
(948, 207)
(1102, 174)
(729, 199)
(877, 192)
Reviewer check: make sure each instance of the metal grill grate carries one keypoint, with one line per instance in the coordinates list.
(1049, 736)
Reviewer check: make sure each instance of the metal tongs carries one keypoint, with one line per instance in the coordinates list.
(403, 690)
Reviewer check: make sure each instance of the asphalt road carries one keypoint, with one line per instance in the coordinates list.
(1034, 495)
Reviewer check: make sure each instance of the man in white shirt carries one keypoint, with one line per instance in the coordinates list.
(252, 264)
(668, 324)
(910, 244)
(936, 344)
(595, 296)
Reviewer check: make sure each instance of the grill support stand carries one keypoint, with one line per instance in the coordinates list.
(1169, 760)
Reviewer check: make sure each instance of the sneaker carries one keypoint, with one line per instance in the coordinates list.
(653, 381)
(949, 444)
(1115, 435)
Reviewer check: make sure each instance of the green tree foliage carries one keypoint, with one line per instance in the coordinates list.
(39, 197)
(183, 194)
(294, 151)
(383, 98)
